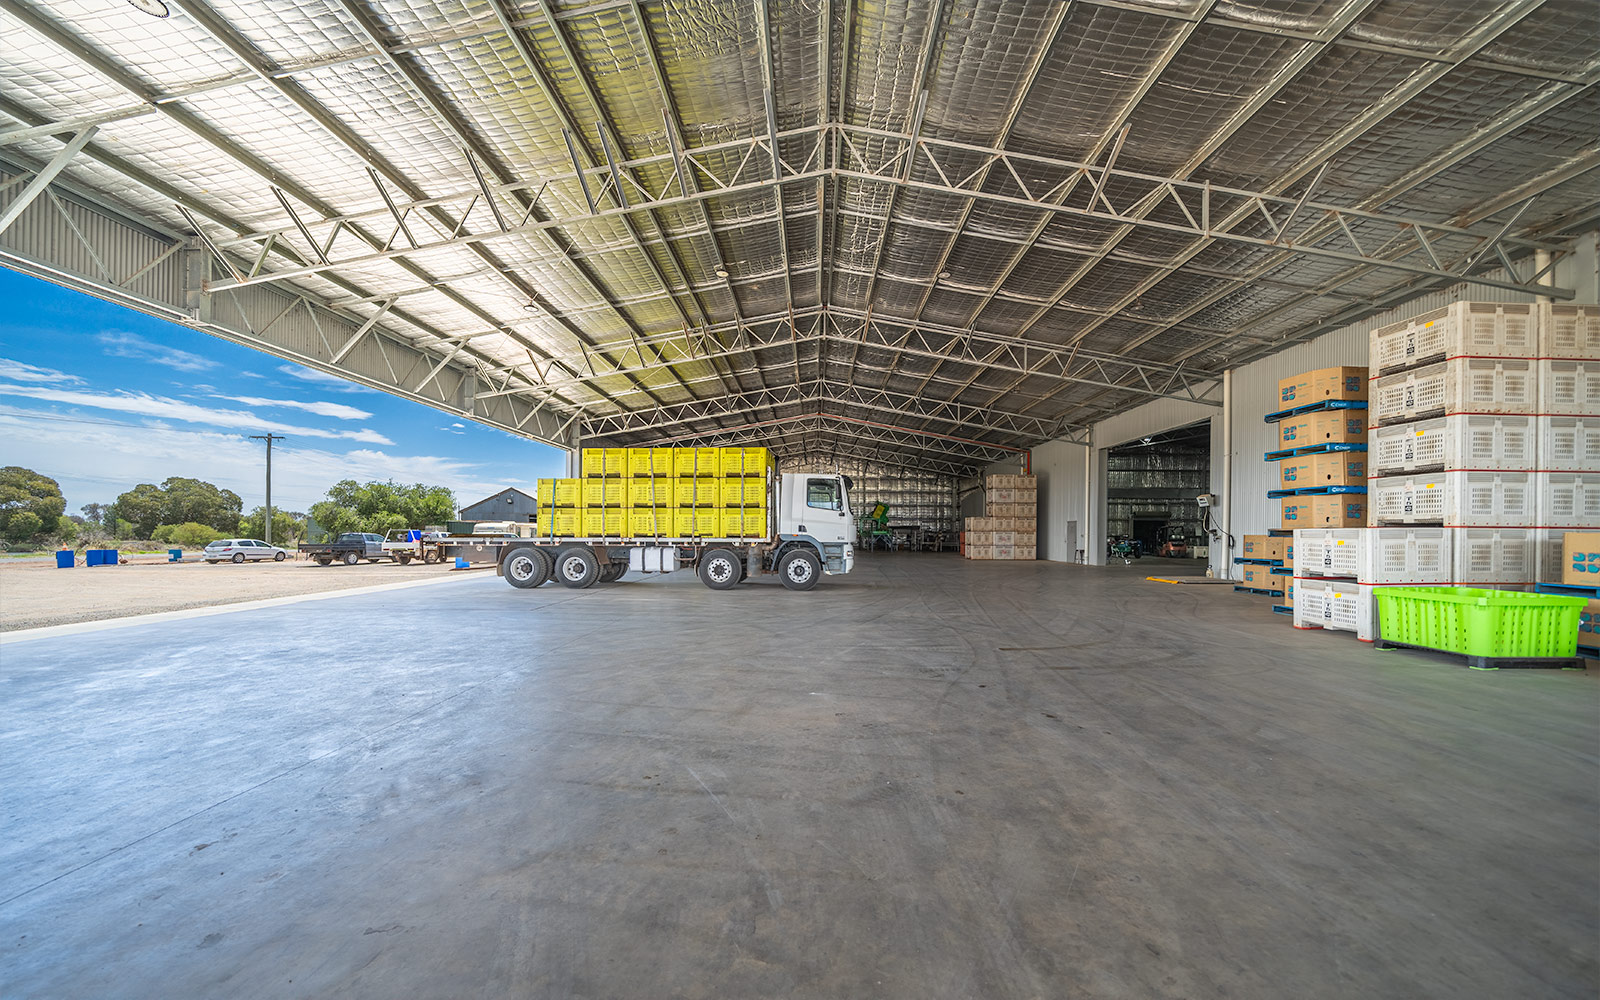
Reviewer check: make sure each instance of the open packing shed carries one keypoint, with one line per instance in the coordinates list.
(932, 236)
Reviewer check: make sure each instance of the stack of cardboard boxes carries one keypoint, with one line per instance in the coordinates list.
(1261, 552)
(1009, 526)
(1329, 468)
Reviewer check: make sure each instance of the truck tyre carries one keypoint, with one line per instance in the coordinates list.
(576, 567)
(351, 558)
(719, 569)
(403, 559)
(324, 560)
(619, 572)
(279, 556)
(430, 556)
(799, 569)
(526, 568)
(238, 557)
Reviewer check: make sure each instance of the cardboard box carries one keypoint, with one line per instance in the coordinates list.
(1323, 427)
(1262, 578)
(1338, 468)
(1339, 510)
(1254, 545)
(1321, 384)
(1589, 625)
(1580, 559)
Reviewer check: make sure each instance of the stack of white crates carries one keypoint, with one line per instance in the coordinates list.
(1337, 572)
(1486, 422)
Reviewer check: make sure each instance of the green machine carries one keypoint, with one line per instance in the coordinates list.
(875, 528)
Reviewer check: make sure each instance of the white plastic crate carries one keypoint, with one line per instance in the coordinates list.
(1461, 441)
(1568, 499)
(1548, 554)
(1464, 385)
(1569, 331)
(1569, 444)
(1454, 499)
(1477, 329)
(1569, 388)
(1336, 604)
(1419, 556)
(1494, 555)
(1335, 552)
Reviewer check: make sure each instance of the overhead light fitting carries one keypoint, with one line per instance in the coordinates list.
(530, 306)
(722, 272)
(944, 275)
(155, 8)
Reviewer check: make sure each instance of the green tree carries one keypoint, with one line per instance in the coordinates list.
(23, 491)
(22, 526)
(95, 513)
(66, 531)
(120, 528)
(191, 535)
(178, 501)
(285, 527)
(381, 506)
(163, 533)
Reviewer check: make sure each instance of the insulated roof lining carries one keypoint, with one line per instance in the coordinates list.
(935, 239)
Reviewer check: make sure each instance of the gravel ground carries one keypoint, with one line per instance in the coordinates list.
(33, 593)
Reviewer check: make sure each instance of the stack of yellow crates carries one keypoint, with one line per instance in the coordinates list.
(659, 493)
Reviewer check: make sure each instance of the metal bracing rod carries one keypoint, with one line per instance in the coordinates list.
(819, 391)
(1324, 152)
(200, 14)
(922, 441)
(46, 174)
(422, 90)
(799, 442)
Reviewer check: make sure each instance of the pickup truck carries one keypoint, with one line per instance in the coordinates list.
(405, 544)
(349, 548)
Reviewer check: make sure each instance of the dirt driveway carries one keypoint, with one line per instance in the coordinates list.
(35, 593)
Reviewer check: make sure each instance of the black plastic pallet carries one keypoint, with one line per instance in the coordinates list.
(1241, 561)
(1326, 404)
(1315, 449)
(1258, 590)
(1494, 662)
(1592, 652)
(1314, 491)
(1569, 589)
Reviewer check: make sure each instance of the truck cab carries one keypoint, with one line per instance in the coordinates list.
(814, 508)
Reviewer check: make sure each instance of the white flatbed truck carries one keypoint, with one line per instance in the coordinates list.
(810, 528)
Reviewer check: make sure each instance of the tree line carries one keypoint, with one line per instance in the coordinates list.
(190, 513)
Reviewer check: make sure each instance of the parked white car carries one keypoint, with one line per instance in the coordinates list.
(239, 549)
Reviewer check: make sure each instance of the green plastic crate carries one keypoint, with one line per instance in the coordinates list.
(1490, 623)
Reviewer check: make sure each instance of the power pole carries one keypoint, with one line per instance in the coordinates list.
(268, 438)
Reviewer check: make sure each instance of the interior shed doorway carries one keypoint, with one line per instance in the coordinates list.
(1152, 489)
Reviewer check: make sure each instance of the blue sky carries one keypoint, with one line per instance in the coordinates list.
(102, 398)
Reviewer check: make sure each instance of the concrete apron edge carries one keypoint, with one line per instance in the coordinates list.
(106, 624)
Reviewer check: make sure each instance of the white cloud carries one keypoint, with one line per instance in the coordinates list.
(95, 459)
(323, 379)
(165, 408)
(320, 407)
(458, 425)
(16, 371)
(120, 344)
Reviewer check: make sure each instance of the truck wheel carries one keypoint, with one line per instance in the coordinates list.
(526, 568)
(576, 567)
(403, 559)
(619, 572)
(430, 557)
(350, 558)
(799, 569)
(324, 560)
(719, 569)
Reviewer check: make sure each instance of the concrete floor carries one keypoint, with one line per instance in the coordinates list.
(933, 778)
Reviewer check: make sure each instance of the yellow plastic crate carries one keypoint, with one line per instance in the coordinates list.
(744, 461)
(697, 461)
(605, 493)
(646, 492)
(606, 520)
(563, 522)
(744, 492)
(696, 521)
(646, 521)
(751, 522)
(651, 461)
(696, 492)
(607, 462)
(559, 492)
